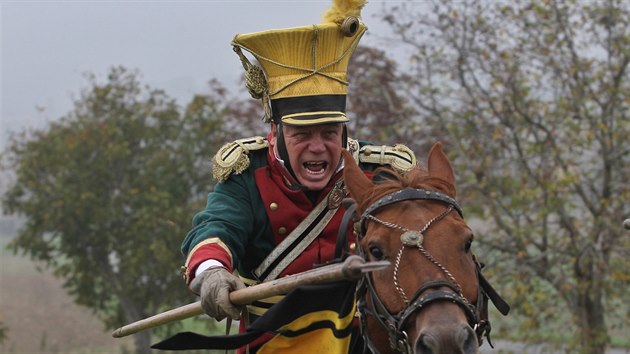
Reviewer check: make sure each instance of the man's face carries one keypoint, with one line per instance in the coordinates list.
(314, 152)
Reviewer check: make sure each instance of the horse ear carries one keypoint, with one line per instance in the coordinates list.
(356, 181)
(439, 165)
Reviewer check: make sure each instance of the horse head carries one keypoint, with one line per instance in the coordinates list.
(428, 300)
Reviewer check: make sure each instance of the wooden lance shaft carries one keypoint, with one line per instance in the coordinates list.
(351, 269)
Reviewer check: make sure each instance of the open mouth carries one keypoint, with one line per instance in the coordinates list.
(315, 167)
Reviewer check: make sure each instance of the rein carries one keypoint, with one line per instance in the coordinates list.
(393, 324)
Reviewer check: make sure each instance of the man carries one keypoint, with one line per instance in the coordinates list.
(276, 209)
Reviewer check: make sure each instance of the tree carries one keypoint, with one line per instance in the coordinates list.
(108, 193)
(376, 107)
(532, 98)
(3, 332)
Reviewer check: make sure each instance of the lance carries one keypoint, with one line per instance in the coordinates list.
(352, 268)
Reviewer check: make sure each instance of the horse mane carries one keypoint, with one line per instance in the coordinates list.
(391, 181)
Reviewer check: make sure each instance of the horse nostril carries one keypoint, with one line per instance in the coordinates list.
(468, 338)
(426, 344)
(447, 340)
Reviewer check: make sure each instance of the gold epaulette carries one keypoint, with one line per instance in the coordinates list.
(232, 157)
(399, 157)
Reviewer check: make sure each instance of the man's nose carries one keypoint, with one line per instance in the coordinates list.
(317, 143)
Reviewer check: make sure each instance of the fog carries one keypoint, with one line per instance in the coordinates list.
(49, 46)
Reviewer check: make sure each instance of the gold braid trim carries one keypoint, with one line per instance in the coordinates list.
(255, 82)
(185, 269)
(400, 157)
(232, 157)
(307, 72)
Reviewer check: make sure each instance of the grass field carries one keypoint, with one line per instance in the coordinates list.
(42, 318)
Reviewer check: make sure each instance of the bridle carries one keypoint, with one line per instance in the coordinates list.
(394, 324)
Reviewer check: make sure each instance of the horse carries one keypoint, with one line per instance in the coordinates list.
(432, 298)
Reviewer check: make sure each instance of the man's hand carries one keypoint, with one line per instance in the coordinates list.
(214, 286)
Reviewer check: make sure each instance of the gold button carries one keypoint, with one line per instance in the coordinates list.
(273, 206)
(259, 141)
(353, 246)
(282, 230)
(367, 151)
(184, 272)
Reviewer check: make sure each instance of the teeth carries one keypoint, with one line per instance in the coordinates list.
(320, 172)
(321, 165)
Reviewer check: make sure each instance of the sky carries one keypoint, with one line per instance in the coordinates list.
(47, 47)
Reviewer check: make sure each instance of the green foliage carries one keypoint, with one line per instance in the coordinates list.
(3, 332)
(108, 192)
(376, 107)
(532, 98)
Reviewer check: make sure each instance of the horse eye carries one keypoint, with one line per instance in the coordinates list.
(376, 252)
(468, 244)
